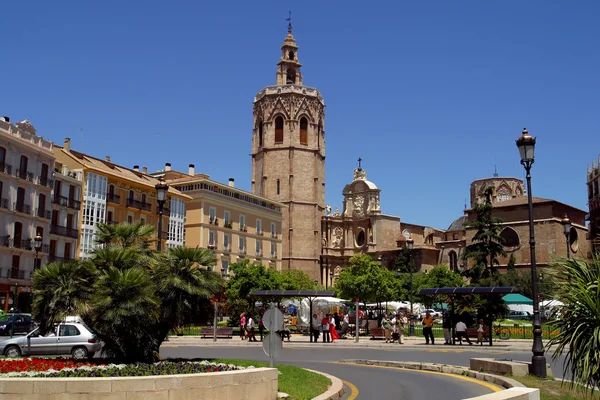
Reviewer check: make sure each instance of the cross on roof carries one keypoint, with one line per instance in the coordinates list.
(289, 20)
(359, 161)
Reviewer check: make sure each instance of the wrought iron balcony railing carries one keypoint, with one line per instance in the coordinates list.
(64, 231)
(113, 198)
(22, 208)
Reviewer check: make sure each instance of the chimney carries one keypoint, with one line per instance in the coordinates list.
(167, 166)
(144, 170)
(5, 119)
(67, 145)
(231, 184)
(107, 158)
(191, 170)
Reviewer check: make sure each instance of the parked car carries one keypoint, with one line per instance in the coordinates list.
(69, 338)
(520, 315)
(434, 314)
(15, 323)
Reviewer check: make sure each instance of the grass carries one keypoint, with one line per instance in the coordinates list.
(556, 390)
(299, 383)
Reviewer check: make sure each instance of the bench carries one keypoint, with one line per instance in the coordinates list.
(221, 332)
(472, 332)
(377, 333)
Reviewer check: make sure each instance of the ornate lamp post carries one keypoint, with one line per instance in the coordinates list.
(566, 223)
(331, 279)
(37, 246)
(161, 196)
(410, 243)
(526, 145)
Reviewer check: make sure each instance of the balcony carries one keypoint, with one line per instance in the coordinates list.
(258, 253)
(47, 214)
(227, 224)
(132, 203)
(273, 255)
(14, 273)
(113, 198)
(112, 222)
(242, 251)
(6, 168)
(213, 221)
(243, 228)
(60, 200)
(44, 181)
(59, 260)
(24, 174)
(74, 204)
(64, 231)
(24, 244)
(4, 204)
(273, 235)
(227, 248)
(22, 208)
(5, 241)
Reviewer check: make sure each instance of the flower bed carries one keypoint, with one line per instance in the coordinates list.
(68, 368)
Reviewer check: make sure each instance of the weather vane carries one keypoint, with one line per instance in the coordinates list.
(289, 20)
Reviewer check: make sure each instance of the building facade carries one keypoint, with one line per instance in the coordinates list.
(288, 158)
(234, 223)
(593, 183)
(26, 164)
(115, 194)
(66, 206)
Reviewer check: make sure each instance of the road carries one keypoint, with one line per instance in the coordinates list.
(371, 382)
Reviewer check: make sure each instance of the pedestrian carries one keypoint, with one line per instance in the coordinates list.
(387, 328)
(461, 331)
(325, 328)
(428, 328)
(337, 320)
(261, 328)
(447, 325)
(250, 329)
(314, 328)
(401, 323)
(243, 326)
(480, 332)
(333, 331)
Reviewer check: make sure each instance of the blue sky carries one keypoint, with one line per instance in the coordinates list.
(432, 95)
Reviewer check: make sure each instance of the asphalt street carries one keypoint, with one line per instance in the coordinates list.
(371, 382)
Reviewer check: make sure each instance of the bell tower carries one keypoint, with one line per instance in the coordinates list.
(288, 158)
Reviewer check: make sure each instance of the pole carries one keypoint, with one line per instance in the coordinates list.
(160, 214)
(538, 360)
(215, 321)
(568, 236)
(272, 329)
(357, 322)
(411, 325)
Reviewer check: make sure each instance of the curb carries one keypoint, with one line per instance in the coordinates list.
(499, 380)
(335, 391)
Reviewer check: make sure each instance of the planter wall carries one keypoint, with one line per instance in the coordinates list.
(250, 384)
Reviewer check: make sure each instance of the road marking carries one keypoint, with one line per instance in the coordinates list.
(464, 378)
(445, 351)
(353, 390)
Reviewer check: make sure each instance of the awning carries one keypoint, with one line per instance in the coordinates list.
(292, 293)
(461, 291)
(516, 298)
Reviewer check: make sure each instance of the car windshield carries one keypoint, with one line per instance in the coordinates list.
(6, 318)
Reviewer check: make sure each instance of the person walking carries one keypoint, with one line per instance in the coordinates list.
(461, 331)
(261, 327)
(250, 329)
(428, 328)
(447, 325)
(387, 328)
(243, 326)
(314, 328)
(401, 323)
(480, 332)
(325, 328)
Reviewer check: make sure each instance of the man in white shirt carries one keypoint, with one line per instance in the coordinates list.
(250, 328)
(314, 327)
(461, 331)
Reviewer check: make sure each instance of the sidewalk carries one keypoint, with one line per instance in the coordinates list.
(416, 342)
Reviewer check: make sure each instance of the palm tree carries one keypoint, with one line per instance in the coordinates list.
(137, 236)
(185, 285)
(60, 290)
(579, 326)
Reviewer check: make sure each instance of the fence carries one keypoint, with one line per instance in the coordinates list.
(516, 332)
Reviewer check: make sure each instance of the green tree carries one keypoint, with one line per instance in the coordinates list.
(363, 278)
(440, 276)
(486, 244)
(296, 280)
(579, 324)
(511, 262)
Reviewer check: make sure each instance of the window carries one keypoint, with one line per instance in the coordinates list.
(143, 221)
(503, 194)
(17, 234)
(242, 244)
(227, 218)
(273, 250)
(44, 175)
(39, 231)
(212, 215)
(279, 129)
(290, 76)
(68, 330)
(1, 184)
(273, 230)
(41, 205)
(111, 189)
(360, 238)
(67, 251)
(278, 186)
(291, 55)
(16, 261)
(259, 247)
(243, 223)
(212, 239)
(226, 241)
(510, 238)
(53, 248)
(130, 219)
(573, 240)
(453, 258)
(260, 134)
(23, 166)
(224, 267)
(109, 217)
(143, 199)
(2, 158)
(303, 130)
(258, 227)
(20, 199)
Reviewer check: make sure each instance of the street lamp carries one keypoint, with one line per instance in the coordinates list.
(566, 223)
(410, 244)
(526, 145)
(331, 278)
(161, 196)
(37, 246)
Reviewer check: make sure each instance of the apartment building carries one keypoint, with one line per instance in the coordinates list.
(593, 184)
(66, 205)
(235, 223)
(115, 194)
(26, 162)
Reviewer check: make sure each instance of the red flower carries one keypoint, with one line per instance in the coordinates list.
(39, 364)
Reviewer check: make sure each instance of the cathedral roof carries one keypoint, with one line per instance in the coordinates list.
(360, 175)
(458, 224)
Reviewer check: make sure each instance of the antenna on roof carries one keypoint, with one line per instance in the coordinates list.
(465, 203)
(495, 172)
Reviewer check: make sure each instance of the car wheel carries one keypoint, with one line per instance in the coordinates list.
(12, 351)
(79, 352)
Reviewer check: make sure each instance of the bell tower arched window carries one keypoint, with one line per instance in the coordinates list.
(290, 76)
(260, 134)
(279, 130)
(453, 258)
(303, 130)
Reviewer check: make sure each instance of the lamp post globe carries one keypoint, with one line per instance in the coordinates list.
(410, 244)
(37, 246)
(162, 188)
(526, 146)
(331, 275)
(566, 223)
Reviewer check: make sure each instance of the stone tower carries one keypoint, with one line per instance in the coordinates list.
(288, 158)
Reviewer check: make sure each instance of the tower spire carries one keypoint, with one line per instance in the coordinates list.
(289, 20)
(495, 172)
(288, 71)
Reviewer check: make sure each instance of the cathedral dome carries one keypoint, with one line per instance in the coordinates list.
(458, 224)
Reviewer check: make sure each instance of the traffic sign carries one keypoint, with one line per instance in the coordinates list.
(273, 319)
(272, 345)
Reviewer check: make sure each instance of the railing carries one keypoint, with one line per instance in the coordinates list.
(43, 213)
(59, 260)
(4, 203)
(45, 248)
(139, 205)
(24, 174)
(112, 222)
(242, 251)
(24, 244)
(227, 248)
(74, 204)
(44, 181)
(243, 228)
(14, 273)
(166, 210)
(60, 200)
(6, 168)
(64, 231)
(113, 198)
(273, 235)
(6, 241)
(273, 255)
(259, 253)
(22, 208)
(259, 232)
(227, 224)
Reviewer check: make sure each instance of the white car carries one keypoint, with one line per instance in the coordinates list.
(434, 314)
